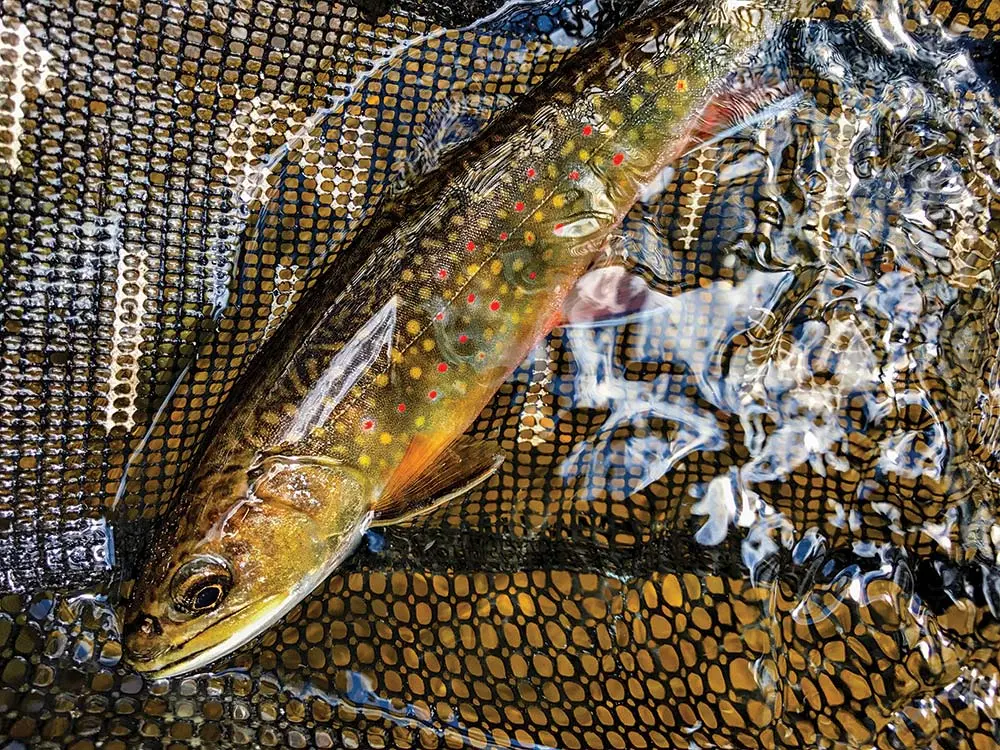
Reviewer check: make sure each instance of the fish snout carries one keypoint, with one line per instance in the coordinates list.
(143, 638)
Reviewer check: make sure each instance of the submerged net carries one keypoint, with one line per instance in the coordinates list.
(175, 177)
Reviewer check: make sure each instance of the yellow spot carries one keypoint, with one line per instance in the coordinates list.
(682, 85)
(529, 237)
(515, 317)
(635, 102)
(419, 421)
(558, 201)
(669, 66)
(413, 327)
(584, 154)
(518, 265)
(385, 438)
(552, 170)
(539, 193)
(427, 344)
(382, 380)
(615, 117)
(425, 293)
(568, 147)
(397, 356)
(504, 289)
(496, 267)
(407, 275)
(488, 334)
(415, 373)
(662, 102)
(472, 270)
(538, 216)
(518, 293)
(364, 461)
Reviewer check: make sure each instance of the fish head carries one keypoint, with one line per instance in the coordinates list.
(248, 548)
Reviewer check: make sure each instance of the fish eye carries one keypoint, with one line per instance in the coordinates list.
(200, 585)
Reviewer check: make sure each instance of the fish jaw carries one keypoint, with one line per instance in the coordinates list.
(242, 625)
(194, 655)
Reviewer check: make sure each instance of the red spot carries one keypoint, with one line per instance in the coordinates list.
(443, 367)
(558, 227)
(401, 408)
(443, 274)
(587, 130)
(470, 299)
(432, 395)
(470, 246)
(495, 305)
(531, 172)
(532, 275)
(519, 206)
(503, 235)
(481, 355)
(574, 175)
(439, 316)
(618, 158)
(463, 338)
(368, 425)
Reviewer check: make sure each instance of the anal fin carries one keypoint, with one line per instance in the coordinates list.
(740, 106)
(464, 464)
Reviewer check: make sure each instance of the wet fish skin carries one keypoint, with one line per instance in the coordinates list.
(356, 413)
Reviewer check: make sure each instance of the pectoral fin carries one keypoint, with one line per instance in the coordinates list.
(461, 466)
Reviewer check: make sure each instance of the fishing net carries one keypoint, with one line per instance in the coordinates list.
(173, 178)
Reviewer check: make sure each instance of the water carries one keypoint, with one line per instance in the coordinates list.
(752, 505)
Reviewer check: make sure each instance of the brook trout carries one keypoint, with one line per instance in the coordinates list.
(356, 417)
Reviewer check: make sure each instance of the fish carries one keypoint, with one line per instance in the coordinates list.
(355, 413)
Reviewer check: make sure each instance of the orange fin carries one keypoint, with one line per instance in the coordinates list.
(735, 108)
(606, 295)
(461, 466)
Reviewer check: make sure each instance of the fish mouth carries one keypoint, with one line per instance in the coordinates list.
(169, 661)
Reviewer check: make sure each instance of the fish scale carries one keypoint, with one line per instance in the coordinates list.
(356, 412)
